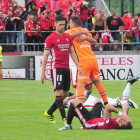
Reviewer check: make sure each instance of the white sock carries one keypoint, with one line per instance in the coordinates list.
(87, 93)
(126, 92)
(112, 102)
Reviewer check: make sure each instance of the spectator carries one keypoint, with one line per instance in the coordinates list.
(91, 15)
(100, 25)
(128, 24)
(30, 26)
(46, 22)
(136, 27)
(114, 23)
(63, 15)
(10, 27)
(38, 37)
(84, 14)
(19, 24)
(57, 13)
(72, 12)
(2, 28)
(33, 6)
(16, 9)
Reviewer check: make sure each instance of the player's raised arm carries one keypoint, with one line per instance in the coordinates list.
(44, 62)
(74, 58)
(109, 109)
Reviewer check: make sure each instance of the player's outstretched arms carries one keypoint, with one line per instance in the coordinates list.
(44, 62)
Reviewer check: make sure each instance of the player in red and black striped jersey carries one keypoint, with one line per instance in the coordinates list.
(94, 119)
(60, 46)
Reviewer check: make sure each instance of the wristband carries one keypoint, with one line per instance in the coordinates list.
(120, 113)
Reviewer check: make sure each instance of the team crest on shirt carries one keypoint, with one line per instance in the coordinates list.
(107, 121)
(59, 83)
(58, 40)
(67, 39)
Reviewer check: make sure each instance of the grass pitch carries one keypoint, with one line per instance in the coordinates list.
(22, 105)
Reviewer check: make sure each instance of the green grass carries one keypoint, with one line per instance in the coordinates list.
(22, 105)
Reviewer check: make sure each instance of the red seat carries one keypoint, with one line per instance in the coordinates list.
(64, 4)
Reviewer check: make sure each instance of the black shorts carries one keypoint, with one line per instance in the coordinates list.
(99, 28)
(61, 78)
(85, 115)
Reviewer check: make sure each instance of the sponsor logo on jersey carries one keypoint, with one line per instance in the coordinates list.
(58, 40)
(84, 46)
(83, 77)
(67, 39)
(63, 47)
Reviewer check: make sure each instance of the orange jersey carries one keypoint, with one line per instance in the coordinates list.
(83, 49)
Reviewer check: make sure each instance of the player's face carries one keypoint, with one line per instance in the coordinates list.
(122, 122)
(116, 16)
(73, 5)
(71, 24)
(102, 13)
(60, 26)
(126, 14)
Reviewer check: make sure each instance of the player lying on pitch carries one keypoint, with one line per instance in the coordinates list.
(94, 120)
(89, 103)
(116, 102)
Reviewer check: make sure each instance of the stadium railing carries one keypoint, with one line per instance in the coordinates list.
(122, 43)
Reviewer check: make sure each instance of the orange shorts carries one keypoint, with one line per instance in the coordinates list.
(90, 70)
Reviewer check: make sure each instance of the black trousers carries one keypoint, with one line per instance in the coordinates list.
(29, 39)
(39, 39)
(45, 34)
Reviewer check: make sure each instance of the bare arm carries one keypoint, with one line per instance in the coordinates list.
(44, 62)
(125, 108)
(74, 34)
(105, 20)
(74, 58)
(85, 38)
(109, 109)
(65, 101)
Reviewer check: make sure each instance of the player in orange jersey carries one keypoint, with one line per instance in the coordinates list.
(87, 59)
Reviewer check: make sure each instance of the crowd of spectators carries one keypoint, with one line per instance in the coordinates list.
(37, 20)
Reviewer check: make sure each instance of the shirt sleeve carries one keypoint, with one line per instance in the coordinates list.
(120, 22)
(68, 32)
(48, 43)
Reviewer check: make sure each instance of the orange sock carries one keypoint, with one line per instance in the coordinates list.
(102, 92)
(80, 93)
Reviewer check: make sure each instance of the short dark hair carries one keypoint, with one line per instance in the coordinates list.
(76, 20)
(57, 12)
(129, 126)
(59, 18)
(114, 14)
(135, 15)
